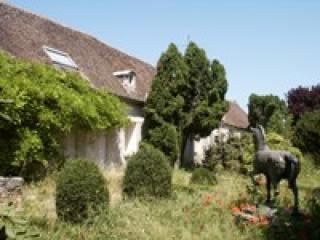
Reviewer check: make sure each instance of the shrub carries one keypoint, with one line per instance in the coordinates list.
(233, 153)
(44, 104)
(164, 138)
(278, 142)
(307, 133)
(81, 190)
(203, 176)
(148, 174)
(313, 204)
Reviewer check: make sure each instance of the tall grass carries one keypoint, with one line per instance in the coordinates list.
(194, 212)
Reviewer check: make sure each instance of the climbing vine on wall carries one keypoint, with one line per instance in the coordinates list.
(45, 104)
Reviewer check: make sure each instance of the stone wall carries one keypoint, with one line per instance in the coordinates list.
(10, 185)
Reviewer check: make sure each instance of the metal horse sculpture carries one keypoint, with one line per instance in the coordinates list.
(275, 165)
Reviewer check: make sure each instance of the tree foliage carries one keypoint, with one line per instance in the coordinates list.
(302, 100)
(204, 91)
(307, 134)
(165, 138)
(163, 109)
(46, 104)
(271, 112)
(188, 93)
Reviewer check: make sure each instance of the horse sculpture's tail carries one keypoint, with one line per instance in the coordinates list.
(293, 166)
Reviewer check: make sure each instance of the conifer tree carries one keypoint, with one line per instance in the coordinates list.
(204, 91)
(164, 104)
(188, 93)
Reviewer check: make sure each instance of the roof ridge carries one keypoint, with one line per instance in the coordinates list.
(235, 103)
(56, 22)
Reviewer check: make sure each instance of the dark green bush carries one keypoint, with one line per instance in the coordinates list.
(45, 104)
(313, 204)
(307, 134)
(203, 176)
(164, 138)
(148, 174)
(81, 190)
(234, 153)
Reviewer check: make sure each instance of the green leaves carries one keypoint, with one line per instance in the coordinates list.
(47, 103)
(188, 92)
(15, 226)
(271, 112)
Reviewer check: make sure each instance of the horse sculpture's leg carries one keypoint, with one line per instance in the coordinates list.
(268, 190)
(293, 186)
(252, 174)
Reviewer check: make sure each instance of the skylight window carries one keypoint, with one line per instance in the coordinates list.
(61, 58)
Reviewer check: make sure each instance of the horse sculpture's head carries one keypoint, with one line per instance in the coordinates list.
(259, 136)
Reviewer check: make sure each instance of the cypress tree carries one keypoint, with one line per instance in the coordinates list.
(188, 93)
(204, 91)
(164, 104)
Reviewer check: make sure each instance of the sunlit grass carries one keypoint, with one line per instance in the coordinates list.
(186, 215)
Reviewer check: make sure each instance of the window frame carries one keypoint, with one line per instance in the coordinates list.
(62, 54)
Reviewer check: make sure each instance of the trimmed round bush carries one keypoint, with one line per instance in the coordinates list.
(81, 190)
(203, 176)
(148, 174)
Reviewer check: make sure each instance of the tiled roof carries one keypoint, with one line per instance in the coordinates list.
(23, 34)
(236, 116)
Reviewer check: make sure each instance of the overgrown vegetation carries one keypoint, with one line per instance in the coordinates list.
(81, 190)
(192, 212)
(13, 225)
(46, 104)
(230, 152)
(148, 174)
(203, 176)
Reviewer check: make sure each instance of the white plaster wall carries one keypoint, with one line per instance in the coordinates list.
(203, 144)
(106, 147)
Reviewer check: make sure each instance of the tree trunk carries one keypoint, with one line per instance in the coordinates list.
(183, 161)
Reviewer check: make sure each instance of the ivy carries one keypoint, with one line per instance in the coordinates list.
(45, 104)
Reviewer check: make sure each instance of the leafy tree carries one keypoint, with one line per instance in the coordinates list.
(271, 112)
(188, 93)
(307, 134)
(303, 99)
(164, 104)
(203, 93)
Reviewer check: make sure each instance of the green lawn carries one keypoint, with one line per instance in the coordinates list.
(193, 212)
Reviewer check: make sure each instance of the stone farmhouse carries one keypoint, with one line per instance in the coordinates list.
(29, 36)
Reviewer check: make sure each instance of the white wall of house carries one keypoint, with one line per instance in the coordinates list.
(109, 148)
(201, 145)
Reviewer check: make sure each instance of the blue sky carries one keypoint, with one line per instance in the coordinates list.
(266, 46)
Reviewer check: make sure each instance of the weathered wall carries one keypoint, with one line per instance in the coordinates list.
(108, 147)
(203, 144)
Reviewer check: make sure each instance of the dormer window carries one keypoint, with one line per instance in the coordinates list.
(127, 78)
(60, 58)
